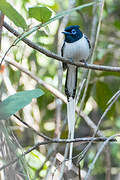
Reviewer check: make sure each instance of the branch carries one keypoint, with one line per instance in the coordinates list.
(83, 140)
(59, 58)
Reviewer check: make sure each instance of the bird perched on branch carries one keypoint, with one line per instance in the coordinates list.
(76, 47)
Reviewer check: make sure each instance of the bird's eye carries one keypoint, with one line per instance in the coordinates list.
(73, 31)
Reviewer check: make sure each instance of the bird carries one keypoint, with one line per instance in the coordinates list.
(76, 47)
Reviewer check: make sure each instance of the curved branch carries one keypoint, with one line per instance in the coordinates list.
(59, 58)
(83, 140)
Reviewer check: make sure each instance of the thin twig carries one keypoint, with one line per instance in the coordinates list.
(83, 140)
(113, 97)
(6, 54)
(36, 132)
(98, 154)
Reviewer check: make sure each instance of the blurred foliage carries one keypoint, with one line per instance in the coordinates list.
(41, 113)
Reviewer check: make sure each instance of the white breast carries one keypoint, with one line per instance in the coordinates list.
(77, 51)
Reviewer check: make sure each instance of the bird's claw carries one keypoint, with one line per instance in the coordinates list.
(83, 61)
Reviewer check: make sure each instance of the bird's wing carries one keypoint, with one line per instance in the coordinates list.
(87, 41)
(62, 51)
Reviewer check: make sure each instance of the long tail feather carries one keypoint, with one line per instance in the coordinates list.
(71, 125)
(70, 89)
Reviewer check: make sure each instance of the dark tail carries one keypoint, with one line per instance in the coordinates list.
(71, 81)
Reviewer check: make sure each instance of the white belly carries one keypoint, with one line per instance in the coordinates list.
(77, 51)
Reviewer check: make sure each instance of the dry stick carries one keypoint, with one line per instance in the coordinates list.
(59, 58)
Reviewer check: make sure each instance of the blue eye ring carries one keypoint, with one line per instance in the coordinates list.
(73, 31)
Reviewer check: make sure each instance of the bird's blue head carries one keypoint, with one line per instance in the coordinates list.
(72, 33)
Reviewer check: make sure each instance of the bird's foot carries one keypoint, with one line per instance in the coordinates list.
(83, 61)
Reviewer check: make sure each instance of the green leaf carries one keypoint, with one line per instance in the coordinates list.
(12, 14)
(14, 103)
(40, 13)
(58, 16)
(103, 94)
(67, 12)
